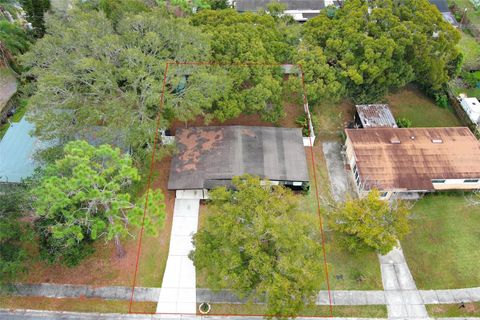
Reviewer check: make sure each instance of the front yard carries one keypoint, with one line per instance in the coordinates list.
(442, 249)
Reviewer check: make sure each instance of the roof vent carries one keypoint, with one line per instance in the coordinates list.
(437, 141)
(412, 137)
(395, 141)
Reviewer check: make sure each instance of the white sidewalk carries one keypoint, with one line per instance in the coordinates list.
(178, 293)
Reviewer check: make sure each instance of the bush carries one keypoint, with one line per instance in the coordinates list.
(441, 100)
(404, 123)
(471, 78)
(303, 122)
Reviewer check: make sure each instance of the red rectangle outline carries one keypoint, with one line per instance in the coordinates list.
(210, 63)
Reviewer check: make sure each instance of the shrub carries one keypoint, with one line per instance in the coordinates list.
(441, 100)
(404, 123)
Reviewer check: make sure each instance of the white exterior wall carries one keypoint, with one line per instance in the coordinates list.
(472, 108)
(451, 184)
(192, 194)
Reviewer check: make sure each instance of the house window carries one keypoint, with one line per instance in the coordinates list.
(470, 181)
(438, 180)
(297, 183)
(383, 194)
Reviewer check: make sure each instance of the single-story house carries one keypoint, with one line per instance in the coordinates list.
(374, 116)
(407, 162)
(471, 105)
(300, 10)
(208, 157)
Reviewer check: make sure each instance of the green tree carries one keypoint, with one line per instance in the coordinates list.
(12, 232)
(83, 197)
(90, 76)
(366, 48)
(257, 242)
(248, 38)
(371, 222)
(36, 10)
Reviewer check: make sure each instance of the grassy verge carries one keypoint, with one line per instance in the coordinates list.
(74, 304)
(321, 311)
(442, 249)
(454, 310)
(412, 104)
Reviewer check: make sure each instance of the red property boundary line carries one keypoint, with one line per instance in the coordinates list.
(162, 97)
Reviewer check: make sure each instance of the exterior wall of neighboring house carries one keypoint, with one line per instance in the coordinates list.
(456, 184)
(472, 108)
(297, 15)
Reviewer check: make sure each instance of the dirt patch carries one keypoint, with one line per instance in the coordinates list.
(103, 267)
(8, 87)
(292, 111)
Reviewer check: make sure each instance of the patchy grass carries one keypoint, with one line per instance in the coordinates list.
(321, 311)
(471, 51)
(442, 249)
(412, 104)
(332, 118)
(347, 271)
(74, 304)
(471, 309)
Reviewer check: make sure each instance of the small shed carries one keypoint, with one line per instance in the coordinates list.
(471, 105)
(375, 116)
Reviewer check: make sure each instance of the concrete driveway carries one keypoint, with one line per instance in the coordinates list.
(336, 171)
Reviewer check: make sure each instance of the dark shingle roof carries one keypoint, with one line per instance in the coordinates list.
(209, 156)
(441, 5)
(255, 5)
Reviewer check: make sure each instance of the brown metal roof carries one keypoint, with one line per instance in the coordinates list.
(375, 115)
(397, 158)
(209, 156)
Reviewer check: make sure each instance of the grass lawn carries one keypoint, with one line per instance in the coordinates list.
(74, 304)
(321, 311)
(332, 118)
(471, 51)
(471, 309)
(412, 104)
(442, 249)
(472, 15)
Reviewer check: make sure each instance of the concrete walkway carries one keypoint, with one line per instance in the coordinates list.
(339, 297)
(178, 294)
(336, 171)
(402, 297)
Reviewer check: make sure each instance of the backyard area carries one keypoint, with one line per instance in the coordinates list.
(412, 104)
(442, 248)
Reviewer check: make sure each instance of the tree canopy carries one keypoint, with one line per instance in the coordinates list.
(83, 197)
(12, 232)
(93, 78)
(371, 222)
(364, 48)
(257, 242)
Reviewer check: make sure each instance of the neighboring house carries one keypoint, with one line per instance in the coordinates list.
(208, 157)
(407, 162)
(300, 10)
(442, 6)
(374, 116)
(17, 149)
(471, 106)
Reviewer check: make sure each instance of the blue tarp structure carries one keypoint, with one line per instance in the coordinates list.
(16, 152)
